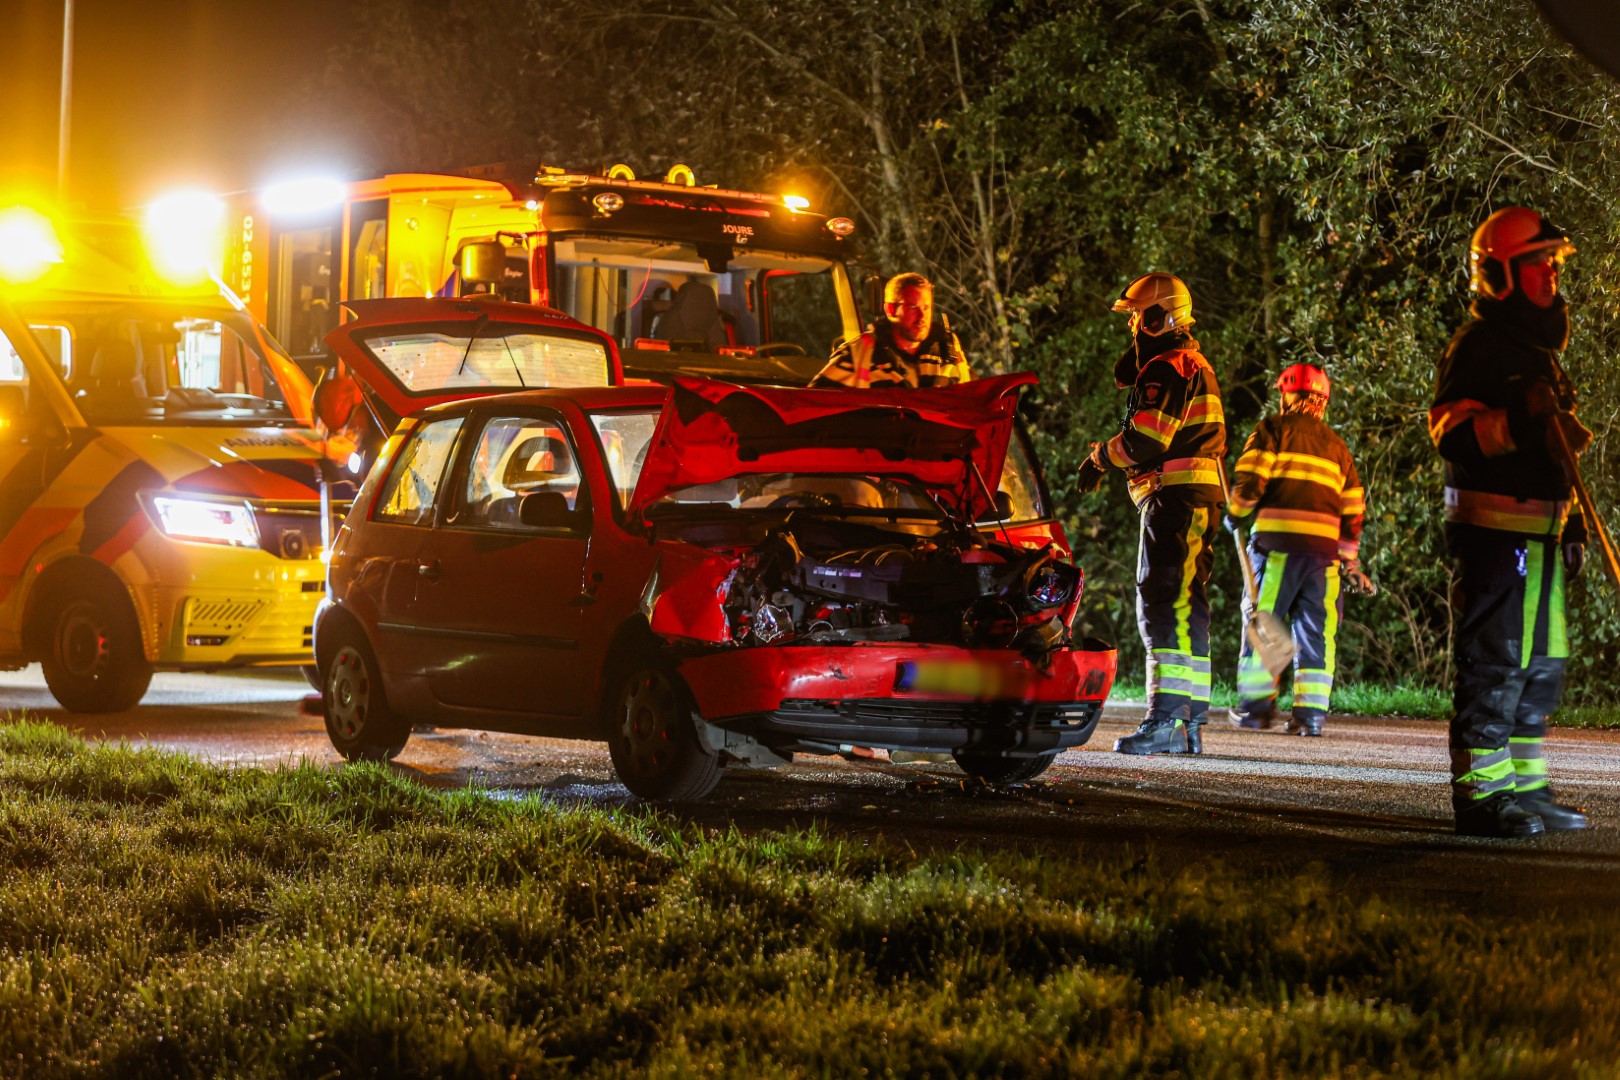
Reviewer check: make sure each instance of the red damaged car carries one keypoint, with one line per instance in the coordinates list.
(712, 575)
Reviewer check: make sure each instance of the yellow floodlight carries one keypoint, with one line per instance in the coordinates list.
(681, 175)
(184, 236)
(28, 245)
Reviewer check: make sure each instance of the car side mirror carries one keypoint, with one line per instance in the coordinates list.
(483, 263)
(334, 400)
(872, 295)
(549, 510)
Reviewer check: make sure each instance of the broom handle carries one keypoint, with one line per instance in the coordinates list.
(1249, 588)
(1595, 525)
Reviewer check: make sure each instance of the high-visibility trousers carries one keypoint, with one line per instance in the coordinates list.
(1172, 603)
(1304, 589)
(1507, 603)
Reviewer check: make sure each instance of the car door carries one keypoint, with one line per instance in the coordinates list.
(501, 600)
(40, 430)
(386, 551)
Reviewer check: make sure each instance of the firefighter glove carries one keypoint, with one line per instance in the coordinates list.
(1574, 559)
(1091, 474)
(1356, 579)
(1576, 434)
(1233, 525)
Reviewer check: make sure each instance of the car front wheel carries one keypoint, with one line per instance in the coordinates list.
(358, 720)
(996, 769)
(653, 739)
(95, 663)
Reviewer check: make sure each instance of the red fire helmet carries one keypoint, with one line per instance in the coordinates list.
(1304, 379)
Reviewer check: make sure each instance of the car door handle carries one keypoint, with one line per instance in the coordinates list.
(433, 571)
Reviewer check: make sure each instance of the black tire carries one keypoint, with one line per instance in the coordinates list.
(311, 674)
(94, 661)
(995, 769)
(358, 720)
(653, 740)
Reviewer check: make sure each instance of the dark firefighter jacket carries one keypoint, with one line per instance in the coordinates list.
(875, 359)
(1500, 473)
(1299, 474)
(1175, 430)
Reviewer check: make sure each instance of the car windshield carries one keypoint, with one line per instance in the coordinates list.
(660, 296)
(843, 496)
(165, 362)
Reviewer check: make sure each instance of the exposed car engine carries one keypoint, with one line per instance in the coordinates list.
(949, 589)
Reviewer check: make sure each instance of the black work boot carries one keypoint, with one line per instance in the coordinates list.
(1500, 817)
(1195, 736)
(1256, 720)
(1555, 816)
(1304, 725)
(1157, 735)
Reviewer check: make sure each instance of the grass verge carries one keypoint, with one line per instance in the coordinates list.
(1362, 699)
(164, 918)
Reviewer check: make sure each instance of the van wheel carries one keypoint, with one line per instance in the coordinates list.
(653, 740)
(358, 720)
(94, 662)
(996, 769)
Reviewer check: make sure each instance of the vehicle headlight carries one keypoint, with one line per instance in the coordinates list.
(1051, 584)
(206, 521)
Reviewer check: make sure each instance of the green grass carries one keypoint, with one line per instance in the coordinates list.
(1364, 699)
(164, 918)
(1405, 699)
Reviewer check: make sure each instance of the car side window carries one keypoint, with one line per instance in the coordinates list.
(517, 456)
(412, 489)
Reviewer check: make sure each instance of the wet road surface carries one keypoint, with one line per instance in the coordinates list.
(1368, 802)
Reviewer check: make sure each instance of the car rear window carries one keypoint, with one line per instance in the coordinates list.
(492, 356)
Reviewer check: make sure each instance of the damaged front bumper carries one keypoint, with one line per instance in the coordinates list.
(904, 697)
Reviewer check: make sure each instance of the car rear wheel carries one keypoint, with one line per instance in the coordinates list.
(358, 720)
(996, 769)
(653, 739)
(94, 662)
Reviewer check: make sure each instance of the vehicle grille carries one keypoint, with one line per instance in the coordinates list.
(883, 711)
(219, 617)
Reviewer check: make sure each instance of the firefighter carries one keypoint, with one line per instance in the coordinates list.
(1169, 446)
(1296, 477)
(1502, 418)
(908, 347)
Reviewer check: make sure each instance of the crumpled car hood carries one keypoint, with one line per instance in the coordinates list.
(951, 440)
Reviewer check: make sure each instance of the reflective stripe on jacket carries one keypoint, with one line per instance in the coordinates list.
(1298, 479)
(1176, 432)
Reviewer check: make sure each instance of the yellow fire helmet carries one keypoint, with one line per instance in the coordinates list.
(1508, 234)
(1157, 304)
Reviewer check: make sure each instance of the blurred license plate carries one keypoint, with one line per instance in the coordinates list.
(959, 678)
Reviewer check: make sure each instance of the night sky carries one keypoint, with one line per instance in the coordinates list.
(166, 93)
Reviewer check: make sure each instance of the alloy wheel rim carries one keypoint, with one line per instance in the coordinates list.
(82, 642)
(348, 692)
(650, 706)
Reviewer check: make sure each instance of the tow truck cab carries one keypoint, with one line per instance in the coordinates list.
(694, 280)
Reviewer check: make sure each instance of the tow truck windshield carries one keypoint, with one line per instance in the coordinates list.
(161, 362)
(659, 297)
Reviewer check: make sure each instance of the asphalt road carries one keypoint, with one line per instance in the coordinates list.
(1368, 802)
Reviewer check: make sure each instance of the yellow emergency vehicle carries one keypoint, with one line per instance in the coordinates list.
(159, 478)
(686, 279)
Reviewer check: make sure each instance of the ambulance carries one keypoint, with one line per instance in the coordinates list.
(687, 279)
(160, 481)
